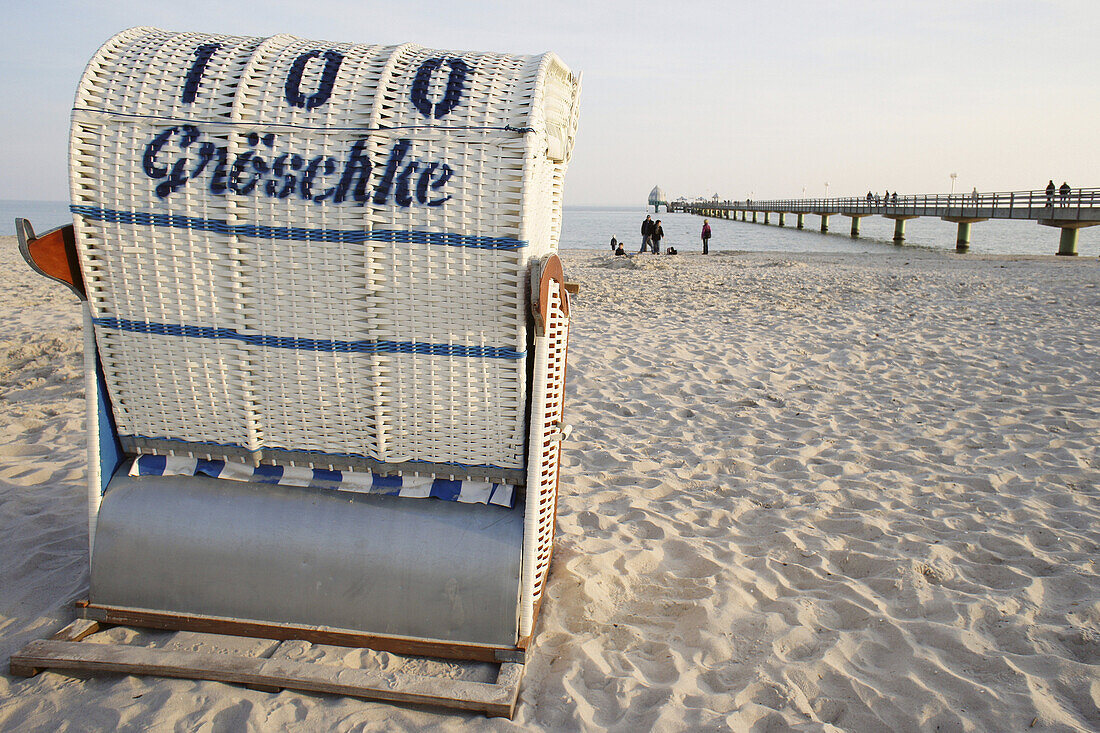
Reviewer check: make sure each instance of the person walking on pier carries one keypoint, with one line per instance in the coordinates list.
(656, 237)
(647, 234)
(1050, 193)
(1063, 193)
(706, 236)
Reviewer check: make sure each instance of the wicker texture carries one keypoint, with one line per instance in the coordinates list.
(276, 316)
(547, 415)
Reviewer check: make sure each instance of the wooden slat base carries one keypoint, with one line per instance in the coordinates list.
(65, 652)
(116, 616)
(76, 631)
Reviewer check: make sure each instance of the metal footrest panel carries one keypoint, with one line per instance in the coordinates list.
(377, 564)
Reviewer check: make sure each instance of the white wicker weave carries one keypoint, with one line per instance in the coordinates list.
(239, 302)
(547, 422)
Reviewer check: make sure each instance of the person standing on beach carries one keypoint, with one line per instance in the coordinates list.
(614, 243)
(656, 237)
(706, 235)
(1050, 193)
(1063, 193)
(647, 234)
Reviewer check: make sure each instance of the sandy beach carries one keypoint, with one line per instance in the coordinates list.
(808, 492)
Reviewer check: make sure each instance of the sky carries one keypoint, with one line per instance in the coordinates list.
(764, 100)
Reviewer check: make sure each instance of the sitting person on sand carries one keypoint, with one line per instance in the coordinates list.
(619, 250)
(671, 251)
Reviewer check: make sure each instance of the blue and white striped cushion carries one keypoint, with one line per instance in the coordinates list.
(468, 492)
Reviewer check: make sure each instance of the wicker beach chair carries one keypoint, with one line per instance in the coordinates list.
(325, 343)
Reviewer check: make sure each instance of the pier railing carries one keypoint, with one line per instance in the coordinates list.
(1079, 204)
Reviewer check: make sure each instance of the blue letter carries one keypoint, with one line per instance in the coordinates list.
(249, 159)
(149, 160)
(438, 183)
(306, 187)
(217, 181)
(194, 74)
(328, 77)
(176, 177)
(459, 71)
(357, 170)
(401, 193)
(396, 156)
(280, 171)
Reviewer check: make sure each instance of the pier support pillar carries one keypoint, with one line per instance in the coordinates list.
(1067, 243)
(766, 217)
(754, 217)
(899, 227)
(962, 241)
(780, 218)
(855, 223)
(824, 222)
(801, 223)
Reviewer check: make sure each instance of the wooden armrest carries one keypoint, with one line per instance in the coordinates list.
(52, 255)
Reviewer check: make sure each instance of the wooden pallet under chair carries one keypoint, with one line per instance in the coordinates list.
(325, 347)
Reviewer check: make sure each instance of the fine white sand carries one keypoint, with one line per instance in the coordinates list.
(812, 492)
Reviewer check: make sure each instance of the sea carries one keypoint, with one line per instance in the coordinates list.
(592, 227)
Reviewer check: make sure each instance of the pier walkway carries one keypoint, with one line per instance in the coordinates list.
(1069, 212)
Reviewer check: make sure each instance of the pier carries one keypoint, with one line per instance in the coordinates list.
(1069, 212)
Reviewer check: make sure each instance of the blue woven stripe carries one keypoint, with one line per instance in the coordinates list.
(363, 346)
(298, 234)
